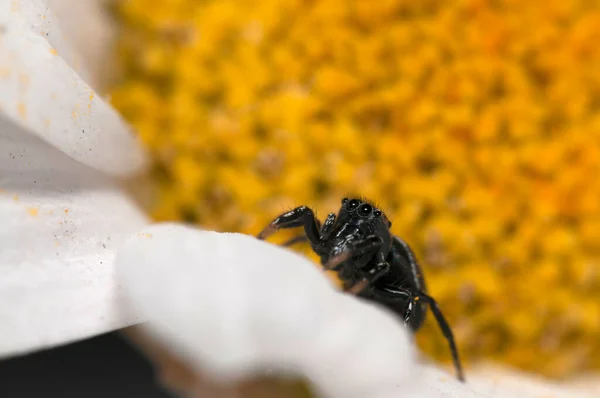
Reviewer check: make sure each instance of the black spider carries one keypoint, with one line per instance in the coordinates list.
(371, 262)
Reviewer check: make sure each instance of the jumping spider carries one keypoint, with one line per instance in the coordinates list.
(371, 262)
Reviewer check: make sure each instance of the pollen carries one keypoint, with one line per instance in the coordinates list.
(474, 124)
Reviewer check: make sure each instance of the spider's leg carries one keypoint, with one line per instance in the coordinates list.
(412, 297)
(294, 240)
(443, 324)
(370, 244)
(324, 231)
(300, 216)
(381, 268)
(327, 226)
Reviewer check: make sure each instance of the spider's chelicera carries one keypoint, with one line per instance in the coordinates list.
(371, 262)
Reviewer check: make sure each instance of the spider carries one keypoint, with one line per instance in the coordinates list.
(371, 262)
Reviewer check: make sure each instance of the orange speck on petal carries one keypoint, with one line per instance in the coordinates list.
(66, 211)
(22, 109)
(33, 211)
(53, 51)
(24, 81)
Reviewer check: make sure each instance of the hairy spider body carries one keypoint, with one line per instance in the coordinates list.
(371, 262)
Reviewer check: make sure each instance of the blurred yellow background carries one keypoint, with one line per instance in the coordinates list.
(474, 124)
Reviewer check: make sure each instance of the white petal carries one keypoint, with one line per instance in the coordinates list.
(501, 383)
(61, 221)
(42, 93)
(230, 305)
(37, 17)
(61, 224)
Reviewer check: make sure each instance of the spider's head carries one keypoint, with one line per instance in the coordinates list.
(358, 222)
(364, 211)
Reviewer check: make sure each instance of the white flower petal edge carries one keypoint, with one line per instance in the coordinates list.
(38, 17)
(91, 30)
(501, 383)
(41, 92)
(230, 305)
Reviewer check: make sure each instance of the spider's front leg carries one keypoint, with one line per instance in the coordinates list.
(363, 251)
(300, 216)
(325, 231)
(370, 245)
(381, 268)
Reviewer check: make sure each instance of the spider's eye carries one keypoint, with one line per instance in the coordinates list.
(344, 201)
(365, 210)
(353, 204)
(377, 213)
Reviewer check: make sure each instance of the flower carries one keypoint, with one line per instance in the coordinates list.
(65, 217)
